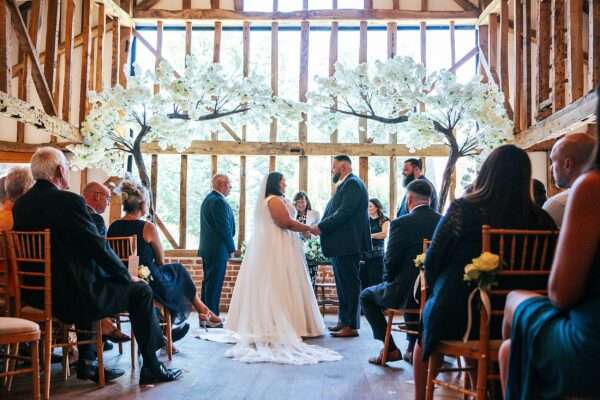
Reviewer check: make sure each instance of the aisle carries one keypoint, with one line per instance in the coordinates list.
(208, 375)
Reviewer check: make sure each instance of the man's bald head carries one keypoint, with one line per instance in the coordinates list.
(221, 184)
(570, 157)
(97, 196)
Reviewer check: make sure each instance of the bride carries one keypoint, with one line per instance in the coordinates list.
(273, 305)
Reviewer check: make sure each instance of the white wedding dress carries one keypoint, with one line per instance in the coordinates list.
(273, 304)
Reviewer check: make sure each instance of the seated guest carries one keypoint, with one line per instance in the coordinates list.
(306, 215)
(399, 273)
(89, 282)
(570, 157)
(171, 283)
(413, 169)
(554, 343)
(2, 190)
(539, 193)
(496, 201)
(371, 267)
(97, 198)
(16, 183)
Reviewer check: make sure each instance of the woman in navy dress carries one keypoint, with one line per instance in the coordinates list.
(553, 343)
(171, 283)
(501, 197)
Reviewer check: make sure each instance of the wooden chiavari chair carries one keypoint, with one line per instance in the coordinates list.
(7, 282)
(124, 247)
(525, 263)
(405, 327)
(31, 264)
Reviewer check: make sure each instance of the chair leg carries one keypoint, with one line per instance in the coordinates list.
(482, 369)
(47, 357)
(12, 363)
(169, 335)
(35, 366)
(388, 335)
(133, 354)
(119, 328)
(7, 363)
(100, 352)
(65, 362)
(434, 363)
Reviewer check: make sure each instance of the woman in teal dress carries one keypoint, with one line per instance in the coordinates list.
(553, 343)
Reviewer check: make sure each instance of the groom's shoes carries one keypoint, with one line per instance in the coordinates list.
(345, 332)
(335, 328)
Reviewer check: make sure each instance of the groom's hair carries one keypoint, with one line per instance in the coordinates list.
(343, 157)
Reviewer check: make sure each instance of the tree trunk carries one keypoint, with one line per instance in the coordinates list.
(143, 173)
(453, 156)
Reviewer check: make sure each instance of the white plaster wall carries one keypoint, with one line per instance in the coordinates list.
(538, 166)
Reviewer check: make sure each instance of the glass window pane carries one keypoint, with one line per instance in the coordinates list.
(174, 47)
(260, 64)
(409, 42)
(438, 49)
(376, 45)
(289, 75)
(143, 57)
(230, 166)
(288, 166)
(379, 180)
(257, 167)
(167, 189)
(202, 45)
(319, 182)
(348, 43)
(198, 186)
(318, 65)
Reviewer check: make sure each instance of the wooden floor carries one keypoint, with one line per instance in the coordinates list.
(209, 375)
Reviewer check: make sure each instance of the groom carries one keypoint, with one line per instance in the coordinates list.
(345, 236)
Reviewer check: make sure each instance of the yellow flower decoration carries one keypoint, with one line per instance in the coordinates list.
(420, 261)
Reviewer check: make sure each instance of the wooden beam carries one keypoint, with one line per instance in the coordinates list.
(238, 5)
(518, 61)
(492, 56)
(310, 15)
(100, 47)
(594, 44)
(464, 59)
(543, 53)
(154, 178)
(423, 40)
(303, 89)
(483, 49)
(92, 75)
(52, 37)
(9, 157)
(159, 44)
(66, 105)
(559, 54)
(215, 4)
(504, 71)
(5, 48)
(363, 162)
(188, 38)
(85, 60)
(242, 210)
(125, 43)
(392, 38)
(42, 88)
(274, 86)
(157, 55)
(333, 57)
(114, 10)
(114, 71)
(210, 147)
(491, 76)
(572, 117)
(216, 58)
(492, 8)
(163, 228)
(183, 202)
(527, 84)
(575, 48)
(424, 5)
(186, 4)
(452, 45)
(465, 5)
(146, 4)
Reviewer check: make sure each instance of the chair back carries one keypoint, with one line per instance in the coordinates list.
(7, 286)
(30, 260)
(123, 246)
(525, 263)
(423, 281)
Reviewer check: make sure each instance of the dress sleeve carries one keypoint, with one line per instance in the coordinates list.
(445, 238)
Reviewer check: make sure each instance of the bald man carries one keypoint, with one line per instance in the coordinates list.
(97, 198)
(570, 157)
(217, 229)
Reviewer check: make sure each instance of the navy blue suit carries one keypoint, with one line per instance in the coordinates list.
(345, 236)
(217, 229)
(403, 210)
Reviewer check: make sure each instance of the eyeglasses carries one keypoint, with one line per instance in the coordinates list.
(102, 194)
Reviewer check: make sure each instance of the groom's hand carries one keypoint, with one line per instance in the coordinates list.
(314, 229)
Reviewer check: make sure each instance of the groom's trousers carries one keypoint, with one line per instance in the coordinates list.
(347, 282)
(212, 284)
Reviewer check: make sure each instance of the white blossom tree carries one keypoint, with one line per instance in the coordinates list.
(206, 98)
(399, 96)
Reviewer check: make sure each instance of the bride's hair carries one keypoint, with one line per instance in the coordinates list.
(273, 181)
(133, 194)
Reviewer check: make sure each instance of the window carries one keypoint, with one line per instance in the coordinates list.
(289, 74)
(174, 47)
(379, 180)
(198, 186)
(257, 167)
(288, 166)
(438, 48)
(260, 64)
(230, 166)
(319, 182)
(167, 193)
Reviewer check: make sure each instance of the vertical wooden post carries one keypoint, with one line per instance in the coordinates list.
(594, 44)
(246, 72)
(52, 29)
(183, 202)
(188, 39)
(452, 44)
(216, 58)
(125, 41)
(114, 72)
(274, 84)
(484, 48)
(518, 81)
(575, 48)
(101, 30)
(527, 92)
(423, 39)
(492, 55)
(92, 68)
(86, 32)
(5, 48)
(154, 178)
(543, 53)
(333, 57)
(303, 89)
(159, 46)
(504, 81)
(392, 38)
(559, 54)
(363, 162)
(66, 106)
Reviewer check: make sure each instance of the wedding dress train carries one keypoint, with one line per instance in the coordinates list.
(273, 304)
